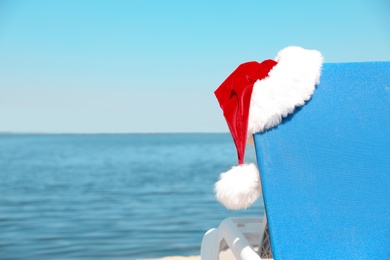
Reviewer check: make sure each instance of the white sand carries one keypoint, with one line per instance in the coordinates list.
(224, 255)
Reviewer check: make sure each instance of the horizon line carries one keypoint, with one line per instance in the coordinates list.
(100, 133)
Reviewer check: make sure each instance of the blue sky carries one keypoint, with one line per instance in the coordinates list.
(70, 66)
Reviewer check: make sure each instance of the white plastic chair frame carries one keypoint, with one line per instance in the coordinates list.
(241, 235)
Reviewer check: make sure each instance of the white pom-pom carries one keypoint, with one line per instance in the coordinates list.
(239, 187)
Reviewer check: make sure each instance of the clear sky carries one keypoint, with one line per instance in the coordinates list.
(152, 66)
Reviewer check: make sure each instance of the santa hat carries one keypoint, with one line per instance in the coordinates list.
(254, 98)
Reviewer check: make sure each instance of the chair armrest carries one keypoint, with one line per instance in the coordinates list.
(241, 235)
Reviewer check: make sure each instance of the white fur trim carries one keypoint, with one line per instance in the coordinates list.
(289, 84)
(239, 187)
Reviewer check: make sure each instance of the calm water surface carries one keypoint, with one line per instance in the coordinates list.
(130, 196)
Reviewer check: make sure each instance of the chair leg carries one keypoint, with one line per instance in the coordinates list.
(211, 244)
(265, 250)
(236, 241)
(241, 235)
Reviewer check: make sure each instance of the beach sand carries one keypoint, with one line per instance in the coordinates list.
(224, 255)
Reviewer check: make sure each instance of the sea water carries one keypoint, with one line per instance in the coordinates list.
(111, 196)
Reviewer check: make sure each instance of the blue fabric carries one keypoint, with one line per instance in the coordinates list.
(326, 169)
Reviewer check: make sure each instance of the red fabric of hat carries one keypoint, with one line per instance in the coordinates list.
(234, 97)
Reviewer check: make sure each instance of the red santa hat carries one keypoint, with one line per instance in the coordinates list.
(254, 98)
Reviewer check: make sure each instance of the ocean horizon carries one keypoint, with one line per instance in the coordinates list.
(111, 195)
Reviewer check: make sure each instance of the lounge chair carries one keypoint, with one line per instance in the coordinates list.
(325, 174)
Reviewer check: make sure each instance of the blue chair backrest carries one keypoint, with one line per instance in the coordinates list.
(325, 170)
